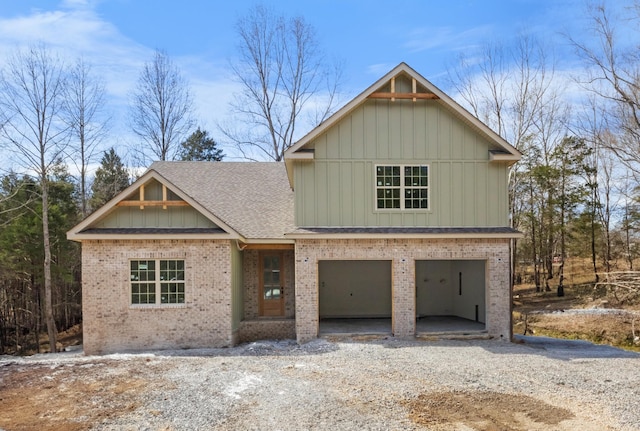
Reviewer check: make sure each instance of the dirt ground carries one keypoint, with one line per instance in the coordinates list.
(77, 396)
(485, 411)
(604, 321)
(74, 400)
(66, 398)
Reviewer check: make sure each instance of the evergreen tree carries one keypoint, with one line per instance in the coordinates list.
(111, 178)
(21, 247)
(200, 147)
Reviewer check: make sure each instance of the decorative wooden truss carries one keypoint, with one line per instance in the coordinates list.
(414, 95)
(164, 203)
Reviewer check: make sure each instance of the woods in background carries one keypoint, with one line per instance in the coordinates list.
(574, 194)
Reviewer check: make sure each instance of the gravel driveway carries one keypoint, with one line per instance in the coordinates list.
(351, 384)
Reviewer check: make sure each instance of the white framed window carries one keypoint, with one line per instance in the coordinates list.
(403, 187)
(157, 281)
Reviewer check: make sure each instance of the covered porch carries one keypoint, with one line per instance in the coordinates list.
(267, 302)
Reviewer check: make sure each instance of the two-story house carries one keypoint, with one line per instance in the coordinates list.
(393, 210)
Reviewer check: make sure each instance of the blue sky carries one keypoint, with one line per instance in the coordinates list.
(370, 37)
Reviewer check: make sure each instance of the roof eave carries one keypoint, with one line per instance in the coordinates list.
(509, 159)
(80, 237)
(299, 235)
(268, 241)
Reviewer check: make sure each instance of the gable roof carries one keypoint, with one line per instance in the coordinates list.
(504, 151)
(249, 201)
(253, 198)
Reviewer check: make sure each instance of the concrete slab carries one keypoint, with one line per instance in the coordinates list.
(447, 325)
(430, 325)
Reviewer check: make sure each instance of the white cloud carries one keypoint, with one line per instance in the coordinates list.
(74, 29)
(380, 69)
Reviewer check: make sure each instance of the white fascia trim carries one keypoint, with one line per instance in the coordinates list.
(493, 157)
(268, 241)
(302, 155)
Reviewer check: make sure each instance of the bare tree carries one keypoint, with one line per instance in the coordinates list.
(609, 200)
(161, 110)
(84, 105)
(550, 132)
(281, 71)
(508, 90)
(31, 94)
(613, 75)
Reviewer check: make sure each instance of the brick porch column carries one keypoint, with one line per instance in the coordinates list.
(499, 294)
(404, 297)
(306, 286)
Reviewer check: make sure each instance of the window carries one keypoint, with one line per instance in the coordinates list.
(157, 282)
(402, 187)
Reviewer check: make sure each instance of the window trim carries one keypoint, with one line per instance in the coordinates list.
(158, 282)
(402, 208)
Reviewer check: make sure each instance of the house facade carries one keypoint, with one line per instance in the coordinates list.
(394, 209)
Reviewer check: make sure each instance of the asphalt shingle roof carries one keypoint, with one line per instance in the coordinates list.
(253, 198)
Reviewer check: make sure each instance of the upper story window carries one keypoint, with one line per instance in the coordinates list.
(402, 187)
(157, 282)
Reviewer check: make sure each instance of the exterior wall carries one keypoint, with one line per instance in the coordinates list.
(403, 254)
(112, 324)
(337, 188)
(268, 329)
(155, 217)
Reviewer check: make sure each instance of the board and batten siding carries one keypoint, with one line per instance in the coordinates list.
(337, 188)
(154, 216)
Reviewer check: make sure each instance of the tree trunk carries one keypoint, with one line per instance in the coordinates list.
(48, 297)
(594, 257)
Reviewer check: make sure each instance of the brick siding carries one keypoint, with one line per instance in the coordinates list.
(403, 253)
(266, 329)
(112, 324)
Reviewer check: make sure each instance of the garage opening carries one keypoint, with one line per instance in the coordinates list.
(450, 296)
(354, 296)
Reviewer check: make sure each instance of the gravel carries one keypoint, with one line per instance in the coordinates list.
(594, 311)
(355, 384)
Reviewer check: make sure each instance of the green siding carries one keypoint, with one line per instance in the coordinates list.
(154, 216)
(237, 298)
(338, 187)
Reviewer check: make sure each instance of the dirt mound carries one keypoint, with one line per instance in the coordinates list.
(69, 397)
(484, 411)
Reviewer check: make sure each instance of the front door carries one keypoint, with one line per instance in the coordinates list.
(271, 284)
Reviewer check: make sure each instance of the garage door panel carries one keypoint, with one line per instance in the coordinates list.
(355, 288)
